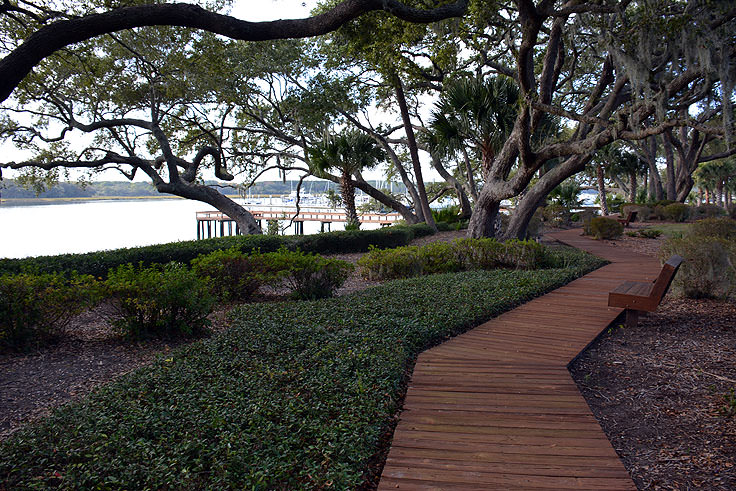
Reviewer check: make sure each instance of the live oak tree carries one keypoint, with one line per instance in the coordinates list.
(612, 70)
(155, 117)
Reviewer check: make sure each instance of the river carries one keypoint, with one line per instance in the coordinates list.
(99, 225)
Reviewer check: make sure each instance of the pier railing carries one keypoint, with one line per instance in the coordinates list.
(206, 219)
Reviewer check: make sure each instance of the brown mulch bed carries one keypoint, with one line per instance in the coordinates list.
(660, 390)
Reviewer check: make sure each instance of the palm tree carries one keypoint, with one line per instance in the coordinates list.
(349, 153)
(715, 176)
(475, 111)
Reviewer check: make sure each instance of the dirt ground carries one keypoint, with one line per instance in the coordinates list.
(661, 391)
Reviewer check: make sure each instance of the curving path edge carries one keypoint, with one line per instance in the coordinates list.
(497, 408)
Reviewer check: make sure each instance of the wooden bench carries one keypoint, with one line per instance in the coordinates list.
(636, 297)
(631, 217)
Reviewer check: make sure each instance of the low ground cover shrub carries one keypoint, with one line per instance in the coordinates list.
(443, 257)
(157, 300)
(233, 275)
(677, 212)
(725, 228)
(35, 308)
(99, 263)
(709, 249)
(308, 276)
(706, 210)
(295, 395)
(603, 228)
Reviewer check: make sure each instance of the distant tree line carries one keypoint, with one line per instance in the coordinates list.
(10, 189)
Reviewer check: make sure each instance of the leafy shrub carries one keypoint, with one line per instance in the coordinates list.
(35, 308)
(233, 275)
(448, 227)
(706, 210)
(664, 202)
(296, 395)
(650, 233)
(677, 212)
(272, 227)
(389, 264)
(708, 270)
(603, 228)
(438, 257)
(450, 214)
(309, 276)
(461, 254)
(157, 300)
(556, 215)
(725, 228)
(658, 212)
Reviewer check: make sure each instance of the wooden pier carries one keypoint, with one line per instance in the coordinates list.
(209, 223)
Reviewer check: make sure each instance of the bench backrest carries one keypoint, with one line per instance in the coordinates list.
(664, 280)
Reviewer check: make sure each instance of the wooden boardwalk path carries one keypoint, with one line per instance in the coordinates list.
(497, 408)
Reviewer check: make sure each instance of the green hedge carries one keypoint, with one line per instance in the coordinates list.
(99, 263)
(450, 257)
(295, 395)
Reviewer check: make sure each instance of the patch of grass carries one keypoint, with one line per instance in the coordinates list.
(296, 395)
(671, 229)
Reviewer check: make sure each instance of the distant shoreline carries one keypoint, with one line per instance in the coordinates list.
(9, 202)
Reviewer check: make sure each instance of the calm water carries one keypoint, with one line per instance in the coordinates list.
(99, 225)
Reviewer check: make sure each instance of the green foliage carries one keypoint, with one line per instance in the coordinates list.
(352, 227)
(389, 264)
(157, 300)
(99, 263)
(309, 276)
(603, 228)
(459, 255)
(295, 395)
(449, 214)
(557, 215)
(677, 212)
(706, 210)
(728, 409)
(232, 275)
(566, 194)
(709, 249)
(725, 228)
(272, 227)
(650, 233)
(35, 308)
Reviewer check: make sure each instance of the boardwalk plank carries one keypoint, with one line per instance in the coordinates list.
(497, 408)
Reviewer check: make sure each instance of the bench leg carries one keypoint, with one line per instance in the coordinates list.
(632, 318)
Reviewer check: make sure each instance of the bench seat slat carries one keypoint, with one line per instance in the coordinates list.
(637, 288)
(637, 296)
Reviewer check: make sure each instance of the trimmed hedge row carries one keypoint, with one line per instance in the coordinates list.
(99, 263)
(450, 257)
(295, 395)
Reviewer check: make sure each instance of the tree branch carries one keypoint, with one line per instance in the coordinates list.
(50, 38)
